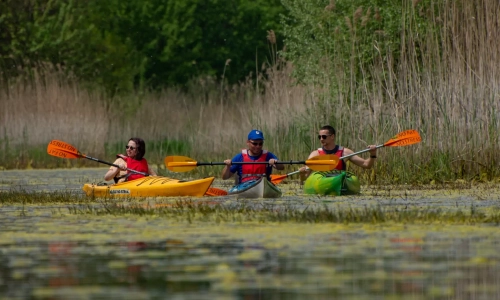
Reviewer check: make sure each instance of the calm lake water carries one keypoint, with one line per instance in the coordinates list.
(47, 252)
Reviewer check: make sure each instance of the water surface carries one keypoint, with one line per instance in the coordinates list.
(49, 252)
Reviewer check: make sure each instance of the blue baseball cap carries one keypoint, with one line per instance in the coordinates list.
(255, 135)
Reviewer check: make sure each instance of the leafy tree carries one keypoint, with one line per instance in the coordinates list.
(129, 44)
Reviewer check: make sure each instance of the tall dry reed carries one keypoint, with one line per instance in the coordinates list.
(36, 111)
(444, 84)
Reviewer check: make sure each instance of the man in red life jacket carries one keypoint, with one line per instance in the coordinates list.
(328, 146)
(254, 153)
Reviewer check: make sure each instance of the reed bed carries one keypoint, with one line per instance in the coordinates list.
(191, 211)
(212, 210)
(443, 83)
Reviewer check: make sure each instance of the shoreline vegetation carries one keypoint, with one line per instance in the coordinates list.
(440, 78)
(393, 208)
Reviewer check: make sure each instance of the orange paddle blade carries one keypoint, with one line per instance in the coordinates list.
(178, 163)
(178, 158)
(215, 192)
(323, 162)
(279, 178)
(275, 179)
(62, 149)
(404, 138)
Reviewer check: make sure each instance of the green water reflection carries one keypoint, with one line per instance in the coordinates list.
(48, 253)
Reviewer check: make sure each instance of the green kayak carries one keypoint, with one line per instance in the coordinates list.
(334, 182)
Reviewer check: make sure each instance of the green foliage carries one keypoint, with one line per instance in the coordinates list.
(168, 147)
(27, 157)
(122, 45)
(334, 43)
(48, 34)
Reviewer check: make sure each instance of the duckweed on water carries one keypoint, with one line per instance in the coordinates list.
(191, 211)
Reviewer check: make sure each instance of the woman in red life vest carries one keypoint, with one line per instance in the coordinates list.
(253, 153)
(328, 146)
(135, 149)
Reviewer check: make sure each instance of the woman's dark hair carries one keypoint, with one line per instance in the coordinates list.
(141, 147)
(329, 128)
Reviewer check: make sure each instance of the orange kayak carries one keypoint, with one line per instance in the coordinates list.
(151, 186)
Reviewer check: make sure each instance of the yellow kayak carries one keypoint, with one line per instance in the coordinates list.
(151, 186)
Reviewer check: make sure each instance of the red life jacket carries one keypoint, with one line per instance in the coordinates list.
(137, 165)
(340, 152)
(250, 171)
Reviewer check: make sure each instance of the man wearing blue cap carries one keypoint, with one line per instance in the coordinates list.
(254, 153)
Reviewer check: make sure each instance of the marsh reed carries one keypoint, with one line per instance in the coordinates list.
(443, 83)
(219, 213)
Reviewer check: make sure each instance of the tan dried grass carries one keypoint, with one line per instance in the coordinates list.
(43, 109)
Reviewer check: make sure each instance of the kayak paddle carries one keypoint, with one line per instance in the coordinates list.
(184, 164)
(275, 179)
(404, 138)
(65, 150)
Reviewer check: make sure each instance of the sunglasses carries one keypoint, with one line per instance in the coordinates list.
(257, 144)
(130, 147)
(324, 136)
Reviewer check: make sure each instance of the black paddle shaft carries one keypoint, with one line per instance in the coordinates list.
(113, 165)
(291, 162)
